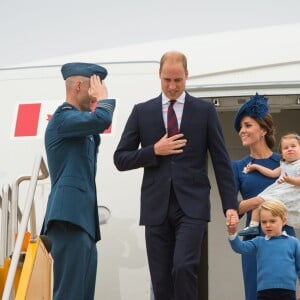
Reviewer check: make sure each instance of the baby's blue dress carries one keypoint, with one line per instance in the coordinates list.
(289, 194)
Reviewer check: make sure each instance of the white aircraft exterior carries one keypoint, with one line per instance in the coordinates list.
(225, 68)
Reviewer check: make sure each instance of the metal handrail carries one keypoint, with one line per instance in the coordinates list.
(39, 166)
(16, 214)
(6, 197)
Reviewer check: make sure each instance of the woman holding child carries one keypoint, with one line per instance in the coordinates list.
(255, 127)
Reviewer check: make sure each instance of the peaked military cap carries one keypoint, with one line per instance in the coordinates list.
(82, 69)
(256, 107)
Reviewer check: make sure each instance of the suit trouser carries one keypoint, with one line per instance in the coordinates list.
(174, 250)
(276, 294)
(74, 255)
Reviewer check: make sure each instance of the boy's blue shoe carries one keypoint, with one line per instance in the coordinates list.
(249, 231)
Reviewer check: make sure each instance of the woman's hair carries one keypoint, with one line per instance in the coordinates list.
(290, 135)
(267, 124)
(276, 207)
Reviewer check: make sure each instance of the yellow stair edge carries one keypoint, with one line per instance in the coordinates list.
(36, 278)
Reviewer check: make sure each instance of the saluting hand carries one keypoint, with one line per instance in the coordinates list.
(97, 90)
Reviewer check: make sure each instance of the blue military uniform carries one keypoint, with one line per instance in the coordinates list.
(72, 134)
(71, 220)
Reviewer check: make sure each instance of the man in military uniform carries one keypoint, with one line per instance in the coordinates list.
(72, 140)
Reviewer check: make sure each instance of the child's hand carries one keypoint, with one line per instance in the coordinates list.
(285, 178)
(232, 225)
(250, 167)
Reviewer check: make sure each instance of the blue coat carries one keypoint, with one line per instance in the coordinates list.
(186, 171)
(72, 140)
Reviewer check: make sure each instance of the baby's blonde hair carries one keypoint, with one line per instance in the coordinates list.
(276, 207)
(290, 135)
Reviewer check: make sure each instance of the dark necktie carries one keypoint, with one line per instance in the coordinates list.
(172, 125)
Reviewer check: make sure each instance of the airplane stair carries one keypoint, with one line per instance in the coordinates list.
(25, 259)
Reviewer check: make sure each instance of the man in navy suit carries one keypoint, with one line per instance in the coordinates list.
(72, 140)
(175, 204)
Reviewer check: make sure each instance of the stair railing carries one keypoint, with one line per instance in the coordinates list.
(39, 172)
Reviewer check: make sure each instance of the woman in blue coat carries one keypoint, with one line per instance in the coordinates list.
(255, 127)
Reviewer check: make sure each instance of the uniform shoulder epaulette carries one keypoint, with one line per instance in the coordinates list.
(66, 106)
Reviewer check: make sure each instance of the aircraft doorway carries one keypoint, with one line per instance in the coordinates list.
(224, 266)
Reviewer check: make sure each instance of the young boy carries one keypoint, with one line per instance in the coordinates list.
(278, 254)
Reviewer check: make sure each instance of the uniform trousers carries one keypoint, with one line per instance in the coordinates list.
(174, 250)
(74, 255)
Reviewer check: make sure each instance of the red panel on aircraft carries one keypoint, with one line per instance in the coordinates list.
(27, 119)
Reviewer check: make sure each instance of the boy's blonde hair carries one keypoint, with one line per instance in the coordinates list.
(276, 207)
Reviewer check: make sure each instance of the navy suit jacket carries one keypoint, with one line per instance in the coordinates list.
(187, 171)
(72, 140)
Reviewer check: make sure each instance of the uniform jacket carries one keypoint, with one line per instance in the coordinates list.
(72, 140)
(186, 171)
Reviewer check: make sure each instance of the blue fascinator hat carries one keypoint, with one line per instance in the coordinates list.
(256, 107)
